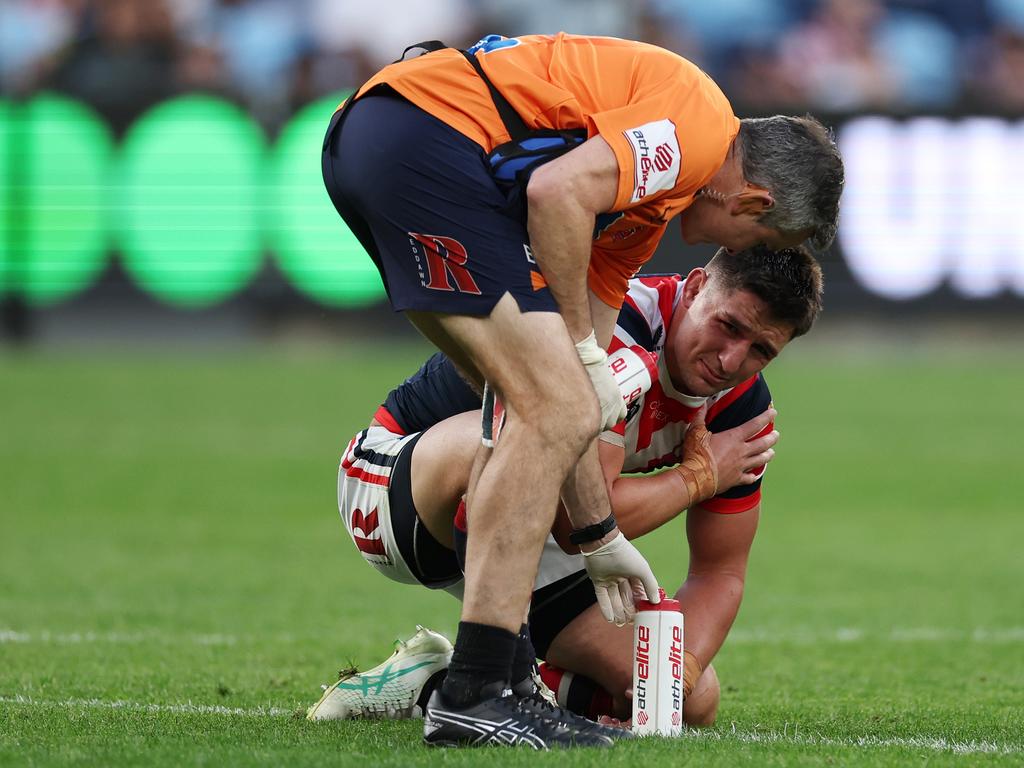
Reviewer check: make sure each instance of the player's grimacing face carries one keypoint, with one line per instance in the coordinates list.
(722, 339)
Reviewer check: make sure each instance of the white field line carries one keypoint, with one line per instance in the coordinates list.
(49, 637)
(794, 737)
(843, 635)
(739, 635)
(142, 706)
(733, 734)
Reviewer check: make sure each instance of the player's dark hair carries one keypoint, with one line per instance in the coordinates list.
(796, 159)
(788, 281)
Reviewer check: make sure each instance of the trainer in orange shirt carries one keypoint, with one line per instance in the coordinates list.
(496, 274)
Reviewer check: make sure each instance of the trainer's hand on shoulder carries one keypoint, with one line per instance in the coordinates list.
(618, 569)
(740, 453)
(595, 360)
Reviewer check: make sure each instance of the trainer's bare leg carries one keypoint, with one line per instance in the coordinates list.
(592, 647)
(431, 326)
(551, 416)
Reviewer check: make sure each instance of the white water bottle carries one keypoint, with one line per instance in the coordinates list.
(658, 668)
(634, 370)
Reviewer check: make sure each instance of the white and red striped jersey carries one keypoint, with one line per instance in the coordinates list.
(652, 434)
(653, 431)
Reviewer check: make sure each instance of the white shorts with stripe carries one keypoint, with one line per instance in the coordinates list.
(375, 475)
(364, 479)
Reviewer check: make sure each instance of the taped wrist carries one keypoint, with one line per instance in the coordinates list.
(692, 671)
(698, 468)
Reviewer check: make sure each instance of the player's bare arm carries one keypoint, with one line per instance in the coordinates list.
(583, 493)
(643, 503)
(564, 198)
(710, 598)
(604, 318)
(711, 595)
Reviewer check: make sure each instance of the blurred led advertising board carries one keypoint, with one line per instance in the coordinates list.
(191, 199)
(932, 201)
(195, 197)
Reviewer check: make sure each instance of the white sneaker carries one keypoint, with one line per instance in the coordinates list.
(397, 689)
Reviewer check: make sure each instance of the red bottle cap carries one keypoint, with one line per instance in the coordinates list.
(665, 604)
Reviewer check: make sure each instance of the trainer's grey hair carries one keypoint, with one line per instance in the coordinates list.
(796, 160)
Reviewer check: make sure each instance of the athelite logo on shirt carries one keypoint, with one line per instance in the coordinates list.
(656, 157)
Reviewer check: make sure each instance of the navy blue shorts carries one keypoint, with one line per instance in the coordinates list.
(418, 196)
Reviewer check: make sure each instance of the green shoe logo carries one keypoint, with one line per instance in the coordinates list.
(374, 684)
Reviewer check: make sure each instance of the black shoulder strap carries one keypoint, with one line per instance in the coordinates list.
(513, 122)
(429, 46)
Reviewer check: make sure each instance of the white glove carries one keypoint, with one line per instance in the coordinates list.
(613, 409)
(617, 568)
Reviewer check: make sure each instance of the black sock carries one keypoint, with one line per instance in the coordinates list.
(525, 658)
(483, 655)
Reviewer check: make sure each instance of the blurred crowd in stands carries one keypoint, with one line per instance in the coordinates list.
(121, 56)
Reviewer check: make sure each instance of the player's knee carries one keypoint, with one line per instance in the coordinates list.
(575, 434)
(565, 421)
(590, 416)
(579, 422)
(701, 707)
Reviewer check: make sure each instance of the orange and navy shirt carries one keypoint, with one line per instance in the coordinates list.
(668, 123)
(656, 423)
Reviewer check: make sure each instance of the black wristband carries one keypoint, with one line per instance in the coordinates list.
(593, 532)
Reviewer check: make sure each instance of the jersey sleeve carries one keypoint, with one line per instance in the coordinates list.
(612, 265)
(617, 434)
(668, 142)
(631, 327)
(752, 399)
(434, 393)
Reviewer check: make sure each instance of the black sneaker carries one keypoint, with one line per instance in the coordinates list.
(538, 697)
(503, 719)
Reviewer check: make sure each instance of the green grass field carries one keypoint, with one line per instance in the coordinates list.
(175, 582)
